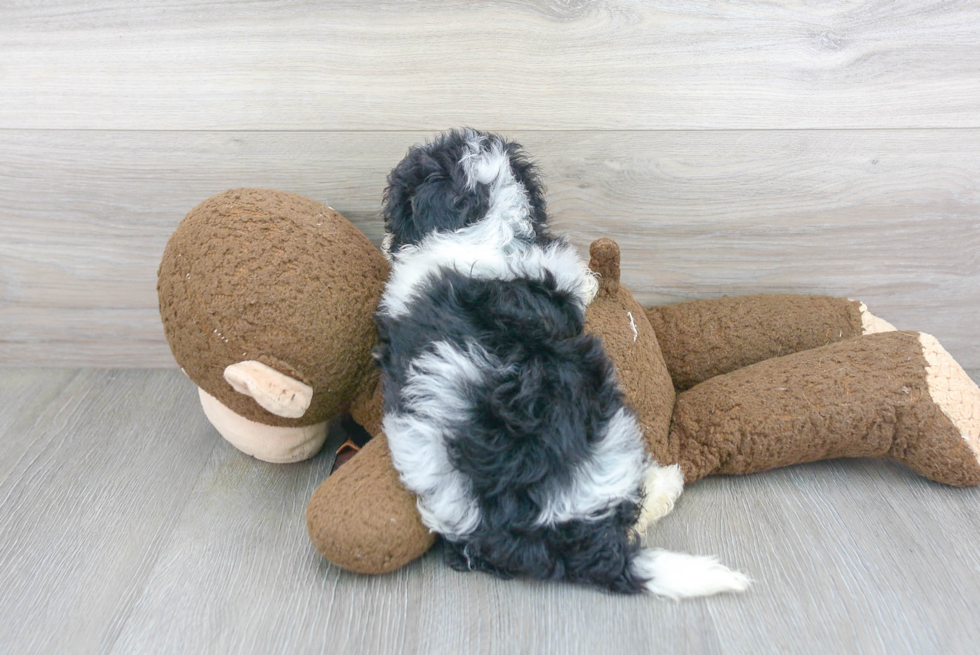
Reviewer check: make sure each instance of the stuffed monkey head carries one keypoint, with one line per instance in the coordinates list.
(267, 300)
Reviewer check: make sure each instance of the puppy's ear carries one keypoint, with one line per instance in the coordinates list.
(275, 392)
(428, 190)
(444, 203)
(527, 175)
(397, 204)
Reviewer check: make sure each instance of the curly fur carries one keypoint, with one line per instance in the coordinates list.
(433, 190)
(502, 414)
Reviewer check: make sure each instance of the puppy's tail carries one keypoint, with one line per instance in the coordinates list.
(678, 575)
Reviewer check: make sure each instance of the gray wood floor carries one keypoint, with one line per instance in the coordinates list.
(128, 525)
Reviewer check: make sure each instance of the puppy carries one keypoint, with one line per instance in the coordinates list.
(501, 414)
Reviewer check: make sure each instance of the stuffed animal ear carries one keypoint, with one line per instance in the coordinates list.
(274, 391)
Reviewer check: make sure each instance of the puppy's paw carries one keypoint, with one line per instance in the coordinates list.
(663, 486)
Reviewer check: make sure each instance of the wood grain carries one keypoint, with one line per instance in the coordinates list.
(26, 395)
(888, 216)
(546, 64)
(846, 545)
(92, 478)
(239, 574)
(129, 526)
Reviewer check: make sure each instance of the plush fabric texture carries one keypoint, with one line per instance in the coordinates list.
(275, 277)
(705, 338)
(362, 518)
(631, 343)
(369, 405)
(865, 397)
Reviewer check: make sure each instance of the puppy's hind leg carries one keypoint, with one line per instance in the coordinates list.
(663, 485)
(676, 575)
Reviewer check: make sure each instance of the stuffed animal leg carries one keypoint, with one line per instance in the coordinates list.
(893, 394)
(705, 338)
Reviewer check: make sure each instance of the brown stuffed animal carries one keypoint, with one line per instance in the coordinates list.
(267, 299)
(262, 277)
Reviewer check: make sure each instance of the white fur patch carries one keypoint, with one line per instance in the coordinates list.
(493, 248)
(386, 245)
(677, 575)
(469, 253)
(510, 207)
(661, 489)
(613, 473)
(435, 400)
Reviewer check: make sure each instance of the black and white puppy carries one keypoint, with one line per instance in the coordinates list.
(502, 415)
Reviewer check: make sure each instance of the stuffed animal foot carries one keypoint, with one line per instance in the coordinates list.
(871, 324)
(941, 456)
(894, 394)
(362, 519)
(704, 338)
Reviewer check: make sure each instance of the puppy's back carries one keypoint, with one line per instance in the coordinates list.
(506, 419)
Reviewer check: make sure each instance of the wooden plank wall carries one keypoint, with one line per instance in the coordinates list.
(730, 148)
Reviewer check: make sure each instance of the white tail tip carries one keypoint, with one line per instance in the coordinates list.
(678, 575)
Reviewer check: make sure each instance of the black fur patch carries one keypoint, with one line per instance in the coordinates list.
(427, 191)
(531, 422)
